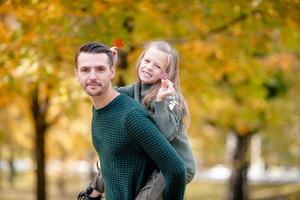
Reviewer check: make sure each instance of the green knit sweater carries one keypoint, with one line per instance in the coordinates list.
(130, 147)
(170, 123)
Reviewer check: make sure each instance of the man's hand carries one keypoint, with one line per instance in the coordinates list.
(90, 194)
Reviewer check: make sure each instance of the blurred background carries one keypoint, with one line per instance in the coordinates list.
(239, 70)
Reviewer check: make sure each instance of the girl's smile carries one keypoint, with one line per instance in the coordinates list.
(153, 63)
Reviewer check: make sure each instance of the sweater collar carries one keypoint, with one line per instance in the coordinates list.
(107, 107)
(144, 89)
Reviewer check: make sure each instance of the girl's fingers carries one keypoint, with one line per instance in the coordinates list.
(164, 83)
(114, 50)
(170, 83)
(166, 89)
(167, 84)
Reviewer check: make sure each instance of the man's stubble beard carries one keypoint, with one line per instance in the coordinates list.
(102, 89)
(93, 93)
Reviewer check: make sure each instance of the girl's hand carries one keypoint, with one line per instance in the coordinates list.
(103, 196)
(95, 194)
(165, 90)
(114, 51)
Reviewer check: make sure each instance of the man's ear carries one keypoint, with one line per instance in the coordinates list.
(113, 71)
(76, 72)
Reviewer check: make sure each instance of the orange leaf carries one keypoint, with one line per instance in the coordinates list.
(118, 43)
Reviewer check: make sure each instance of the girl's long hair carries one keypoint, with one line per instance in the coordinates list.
(172, 72)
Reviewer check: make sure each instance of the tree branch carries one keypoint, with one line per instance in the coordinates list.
(54, 120)
(230, 23)
(218, 29)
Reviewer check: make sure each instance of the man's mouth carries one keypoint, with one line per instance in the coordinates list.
(93, 85)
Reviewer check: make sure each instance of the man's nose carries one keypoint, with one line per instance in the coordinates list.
(93, 74)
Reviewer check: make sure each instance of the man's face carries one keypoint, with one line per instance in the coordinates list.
(93, 73)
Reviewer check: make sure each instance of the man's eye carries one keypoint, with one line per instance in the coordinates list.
(100, 69)
(146, 61)
(157, 66)
(84, 70)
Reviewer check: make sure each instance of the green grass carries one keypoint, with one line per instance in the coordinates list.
(200, 190)
(218, 191)
(24, 189)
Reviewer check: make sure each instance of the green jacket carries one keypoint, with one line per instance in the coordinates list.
(170, 122)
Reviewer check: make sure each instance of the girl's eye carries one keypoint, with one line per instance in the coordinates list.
(146, 61)
(157, 66)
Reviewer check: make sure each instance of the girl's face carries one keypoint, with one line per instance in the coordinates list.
(152, 65)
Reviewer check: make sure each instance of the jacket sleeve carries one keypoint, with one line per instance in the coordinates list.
(146, 137)
(167, 116)
(128, 90)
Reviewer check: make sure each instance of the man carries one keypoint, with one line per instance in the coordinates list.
(124, 135)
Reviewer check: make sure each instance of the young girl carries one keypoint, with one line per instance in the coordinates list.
(158, 90)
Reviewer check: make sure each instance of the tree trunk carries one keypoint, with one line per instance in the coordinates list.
(122, 63)
(1, 172)
(40, 160)
(12, 170)
(61, 183)
(39, 110)
(238, 185)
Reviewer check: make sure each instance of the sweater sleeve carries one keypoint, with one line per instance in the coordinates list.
(145, 135)
(167, 117)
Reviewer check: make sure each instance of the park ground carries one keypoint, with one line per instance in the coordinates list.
(24, 189)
